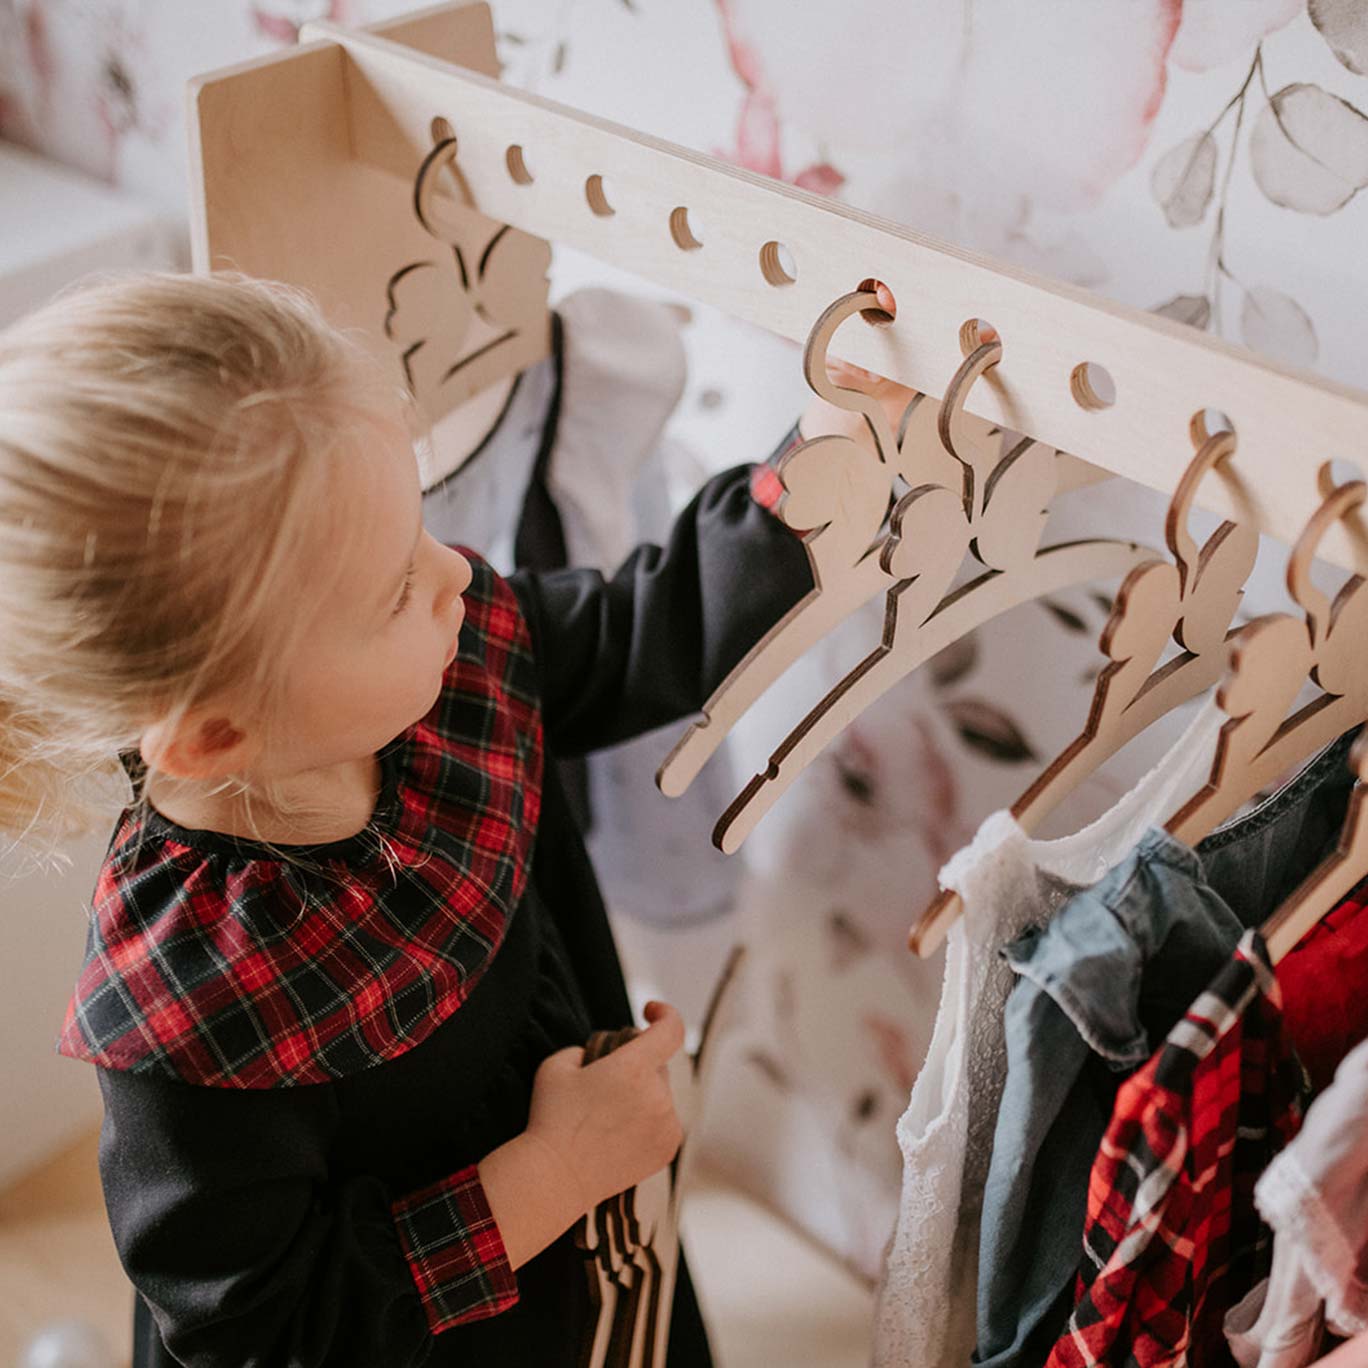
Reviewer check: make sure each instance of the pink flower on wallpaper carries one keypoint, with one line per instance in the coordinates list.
(893, 1044)
(26, 86)
(121, 103)
(946, 113)
(1214, 32)
(38, 47)
(758, 133)
(281, 22)
(894, 777)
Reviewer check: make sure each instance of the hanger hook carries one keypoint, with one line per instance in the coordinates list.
(954, 434)
(1340, 502)
(441, 158)
(819, 378)
(1214, 452)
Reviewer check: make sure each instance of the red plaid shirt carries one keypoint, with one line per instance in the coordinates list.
(1172, 1236)
(1324, 984)
(218, 963)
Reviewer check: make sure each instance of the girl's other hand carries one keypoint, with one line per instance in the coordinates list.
(612, 1123)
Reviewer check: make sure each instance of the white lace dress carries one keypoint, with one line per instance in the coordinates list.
(926, 1306)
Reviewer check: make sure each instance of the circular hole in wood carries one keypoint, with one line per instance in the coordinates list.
(974, 332)
(1092, 386)
(517, 166)
(1341, 471)
(442, 130)
(597, 196)
(881, 318)
(777, 264)
(1207, 423)
(682, 230)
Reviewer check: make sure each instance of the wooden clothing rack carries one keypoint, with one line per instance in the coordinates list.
(305, 159)
(389, 172)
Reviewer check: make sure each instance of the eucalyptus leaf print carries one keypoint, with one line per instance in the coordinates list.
(1275, 324)
(1184, 179)
(894, 1047)
(1344, 25)
(1309, 149)
(1194, 310)
(847, 941)
(281, 20)
(954, 662)
(984, 727)
(1066, 617)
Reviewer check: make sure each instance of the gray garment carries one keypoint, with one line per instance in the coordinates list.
(1112, 972)
(478, 504)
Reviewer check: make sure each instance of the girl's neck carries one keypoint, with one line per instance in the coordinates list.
(306, 809)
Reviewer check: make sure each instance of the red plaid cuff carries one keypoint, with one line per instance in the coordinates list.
(765, 485)
(455, 1252)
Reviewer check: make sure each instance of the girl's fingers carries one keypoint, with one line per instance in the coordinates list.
(663, 1037)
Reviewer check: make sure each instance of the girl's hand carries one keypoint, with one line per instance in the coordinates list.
(611, 1123)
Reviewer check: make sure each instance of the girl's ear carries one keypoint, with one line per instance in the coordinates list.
(196, 745)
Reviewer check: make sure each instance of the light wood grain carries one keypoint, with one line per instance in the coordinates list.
(277, 193)
(1193, 600)
(1336, 877)
(967, 496)
(1164, 372)
(1271, 660)
(57, 1258)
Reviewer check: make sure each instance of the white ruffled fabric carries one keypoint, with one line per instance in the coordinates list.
(926, 1306)
(1314, 1195)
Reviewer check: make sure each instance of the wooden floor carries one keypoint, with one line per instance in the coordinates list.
(57, 1259)
(768, 1295)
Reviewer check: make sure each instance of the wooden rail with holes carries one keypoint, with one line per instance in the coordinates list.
(776, 256)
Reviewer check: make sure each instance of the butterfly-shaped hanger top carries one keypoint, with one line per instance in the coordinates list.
(1271, 660)
(1190, 600)
(461, 317)
(967, 497)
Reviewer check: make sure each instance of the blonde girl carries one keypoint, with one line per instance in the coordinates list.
(346, 943)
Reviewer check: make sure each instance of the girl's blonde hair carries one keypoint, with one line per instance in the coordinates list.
(164, 446)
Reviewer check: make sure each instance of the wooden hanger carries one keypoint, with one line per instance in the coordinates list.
(967, 497)
(630, 1242)
(453, 317)
(1191, 600)
(1271, 660)
(1339, 874)
(837, 491)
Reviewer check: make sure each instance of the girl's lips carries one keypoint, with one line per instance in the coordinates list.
(455, 644)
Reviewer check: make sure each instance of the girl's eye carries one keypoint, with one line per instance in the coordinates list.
(406, 593)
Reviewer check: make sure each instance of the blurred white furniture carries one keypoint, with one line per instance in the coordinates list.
(55, 226)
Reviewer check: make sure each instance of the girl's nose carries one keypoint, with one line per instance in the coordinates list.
(455, 581)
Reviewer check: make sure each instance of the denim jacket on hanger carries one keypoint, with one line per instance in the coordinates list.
(1099, 986)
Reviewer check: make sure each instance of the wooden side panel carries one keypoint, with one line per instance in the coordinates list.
(277, 193)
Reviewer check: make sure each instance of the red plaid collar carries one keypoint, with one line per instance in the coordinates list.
(218, 962)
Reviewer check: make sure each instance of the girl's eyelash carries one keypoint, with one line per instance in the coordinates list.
(405, 593)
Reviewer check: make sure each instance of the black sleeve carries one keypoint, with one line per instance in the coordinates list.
(246, 1248)
(623, 655)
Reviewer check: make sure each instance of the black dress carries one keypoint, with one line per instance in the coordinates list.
(257, 1222)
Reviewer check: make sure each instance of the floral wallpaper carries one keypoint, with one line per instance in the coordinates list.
(1202, 158)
